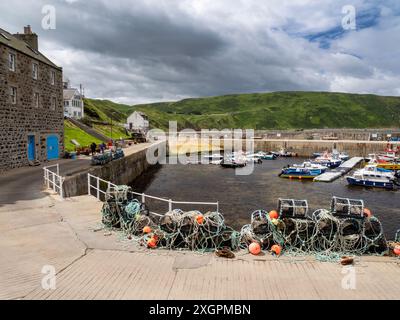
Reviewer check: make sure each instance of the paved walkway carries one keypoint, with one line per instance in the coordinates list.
(93, 264)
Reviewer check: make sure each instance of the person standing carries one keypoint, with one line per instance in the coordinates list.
(93, 148)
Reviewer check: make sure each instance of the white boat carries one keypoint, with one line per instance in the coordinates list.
(372, 176)
(330, 160)
(255, 158)
(310, 165)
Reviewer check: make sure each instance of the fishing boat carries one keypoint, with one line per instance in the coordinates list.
(266, 156)
(310, 165)
(232, 163)
(255, 158)
(301, 172)
(330, 160)
(284, 153)
(372, 176)
(341, 155)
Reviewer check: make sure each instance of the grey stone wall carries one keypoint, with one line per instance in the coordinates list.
(23, 119)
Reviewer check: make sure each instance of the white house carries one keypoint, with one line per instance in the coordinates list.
(73, 102)
(137, 121)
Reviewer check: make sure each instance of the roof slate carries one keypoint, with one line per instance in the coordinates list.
(9, 40)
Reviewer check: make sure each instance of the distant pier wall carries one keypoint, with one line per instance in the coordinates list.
(305, 148)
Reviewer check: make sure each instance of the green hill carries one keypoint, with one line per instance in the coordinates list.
(277, 110)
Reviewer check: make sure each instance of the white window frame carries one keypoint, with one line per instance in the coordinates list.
(13, 94)
(12, 61)
(53, 103)
(52, 77)
(35, 75)
(36, 99)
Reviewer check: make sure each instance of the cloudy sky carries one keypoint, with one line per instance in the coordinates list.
(139, 51)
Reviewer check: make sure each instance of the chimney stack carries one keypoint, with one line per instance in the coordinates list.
(29, 37)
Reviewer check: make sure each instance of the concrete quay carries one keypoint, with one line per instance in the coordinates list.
(91, 263)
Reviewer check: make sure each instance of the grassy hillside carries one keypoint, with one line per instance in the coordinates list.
(278, 110)
(73, 132)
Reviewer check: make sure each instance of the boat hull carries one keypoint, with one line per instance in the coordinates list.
(389, 166)
(366, 183)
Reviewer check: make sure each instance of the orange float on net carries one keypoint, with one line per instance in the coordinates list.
(146, 229)
(273, 214)
(200, 219)
(255, 248)
(396, 250)
(367, 212)
(152, 243)
(276, 249)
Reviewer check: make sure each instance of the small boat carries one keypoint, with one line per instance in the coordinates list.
(330, 160)
(310, 165)
(285, 154)
(266, 156)
(342, 155)
(232, 163)
(301, 172)
(255, 158)
(213, 157)
(372, 176)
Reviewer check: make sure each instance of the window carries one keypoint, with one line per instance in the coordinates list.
(36, 100)
(35, 70)
(11, 61)
(13, 94)
(53, 103)
(52, 77)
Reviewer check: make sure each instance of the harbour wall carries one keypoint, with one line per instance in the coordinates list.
(121, 172)
(305, 148)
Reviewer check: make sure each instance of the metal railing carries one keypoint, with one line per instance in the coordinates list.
(97, 186)
(53, 180)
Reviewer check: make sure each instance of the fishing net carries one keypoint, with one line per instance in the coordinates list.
(327, 234)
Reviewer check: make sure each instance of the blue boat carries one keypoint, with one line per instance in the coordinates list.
(372, 176)
(300, 173)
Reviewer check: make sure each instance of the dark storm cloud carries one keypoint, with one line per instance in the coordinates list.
(146, 50)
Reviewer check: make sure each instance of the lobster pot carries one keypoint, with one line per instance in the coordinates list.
(260, 222)
(347, 207)
(290, 208)
(373, 234)
(119, 193)
(397, 236)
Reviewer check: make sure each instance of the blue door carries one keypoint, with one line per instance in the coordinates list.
(52, 147)
(31, 148)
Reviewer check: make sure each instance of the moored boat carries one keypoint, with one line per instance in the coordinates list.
(305, 171)
(372, 176)
(329, 160)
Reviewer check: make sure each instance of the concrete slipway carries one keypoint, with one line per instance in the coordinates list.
(92, 264)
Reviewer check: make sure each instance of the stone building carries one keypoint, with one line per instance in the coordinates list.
(31, 102)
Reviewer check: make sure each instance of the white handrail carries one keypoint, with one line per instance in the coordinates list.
(53, 180)
(143, 196)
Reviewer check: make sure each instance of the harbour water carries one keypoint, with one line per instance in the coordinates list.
(239, 196)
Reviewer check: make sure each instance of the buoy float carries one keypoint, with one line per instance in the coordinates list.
(276, 249)
(367, 212)
(146, 229)
(273, 214)
(200, 219)
(396, 250)
(254, 248)
(152, 242)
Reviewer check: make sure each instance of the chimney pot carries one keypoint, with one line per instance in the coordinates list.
(28, 29)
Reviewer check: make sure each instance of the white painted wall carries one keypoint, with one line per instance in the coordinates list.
(137, 122)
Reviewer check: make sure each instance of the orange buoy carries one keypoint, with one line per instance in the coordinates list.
(396, 250)
(152, 243)
(367, 212)
(200, 219)
(276, 249)
(254, 248)
(273, 214)
(146, 229)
